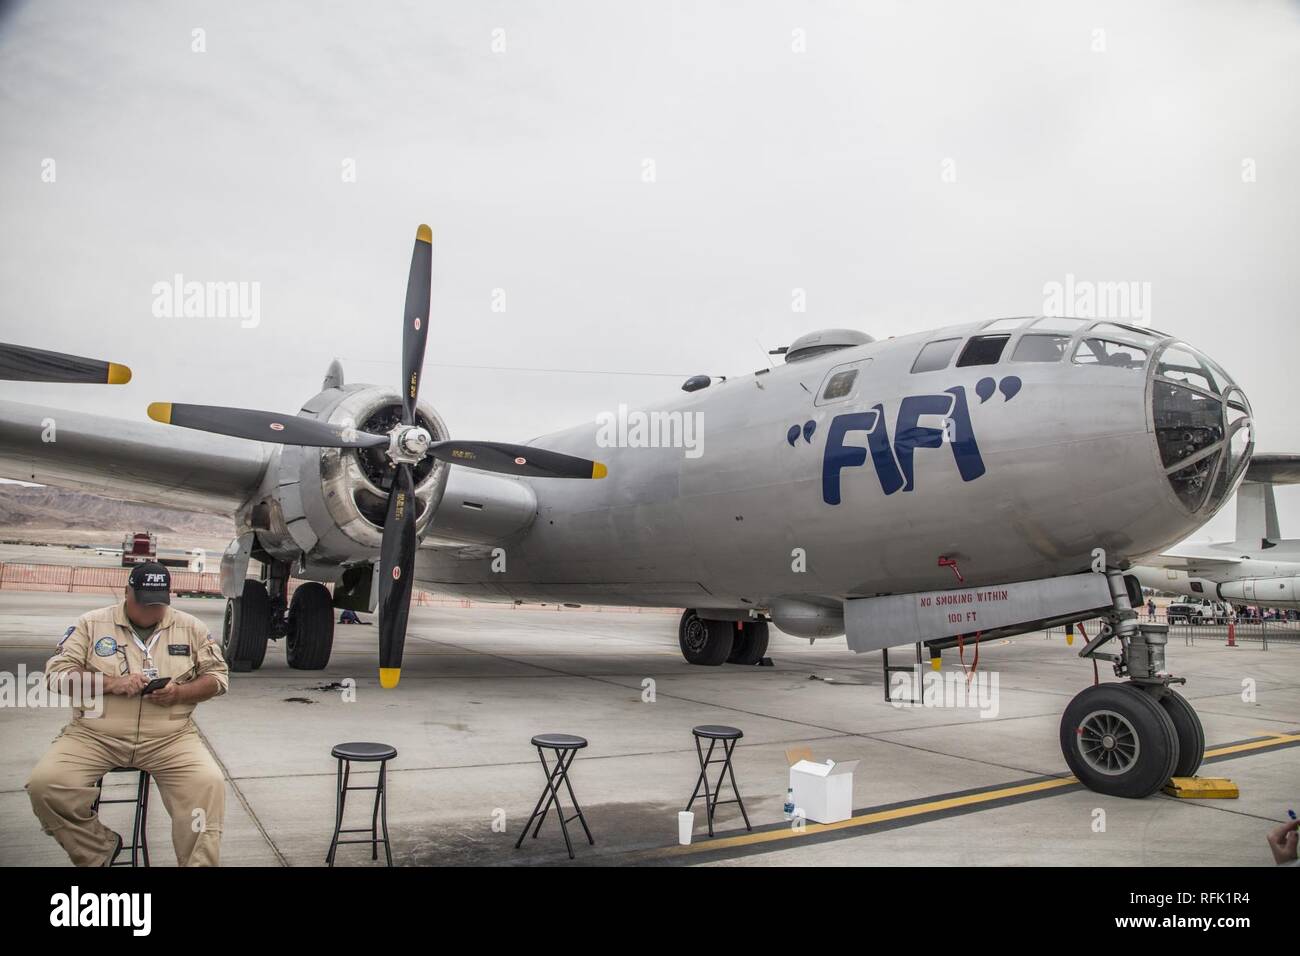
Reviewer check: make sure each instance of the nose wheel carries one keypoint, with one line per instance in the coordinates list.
(1118, 740)
(1127, 739)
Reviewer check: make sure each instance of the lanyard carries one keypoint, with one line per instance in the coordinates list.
(146, 651)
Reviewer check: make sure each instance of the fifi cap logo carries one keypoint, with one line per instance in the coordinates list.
(106, 647)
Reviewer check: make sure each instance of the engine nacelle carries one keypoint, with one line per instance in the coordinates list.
(320, 508)
(1266, 592)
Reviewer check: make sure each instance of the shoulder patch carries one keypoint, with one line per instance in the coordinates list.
(106, 647)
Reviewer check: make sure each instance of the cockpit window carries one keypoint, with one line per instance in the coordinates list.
(1113, 354)
(982, 350)
(1040, 348)
(839, 385)
(1203, 427)
(1183, 365)
(935, 355)
(1005, 325)
(1111, 328)
(1061, 324)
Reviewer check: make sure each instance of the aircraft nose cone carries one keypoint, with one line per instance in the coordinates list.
(1203, 427)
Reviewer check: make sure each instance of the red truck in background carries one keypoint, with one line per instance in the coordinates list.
(138, 548)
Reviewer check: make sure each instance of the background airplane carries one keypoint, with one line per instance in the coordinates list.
(1258, 567)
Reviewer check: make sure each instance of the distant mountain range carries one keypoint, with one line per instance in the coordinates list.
(42, 508)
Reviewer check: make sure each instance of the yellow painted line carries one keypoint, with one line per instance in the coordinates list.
(934, 806)
(881, 816)
(1272, 741)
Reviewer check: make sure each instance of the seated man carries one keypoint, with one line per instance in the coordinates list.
(128, 645)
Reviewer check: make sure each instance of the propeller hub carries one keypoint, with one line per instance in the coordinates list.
(409, 444)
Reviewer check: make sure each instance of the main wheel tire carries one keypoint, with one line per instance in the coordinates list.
(246, 627)
(1118, 740)
(309, 636)
(749, 644)
(705, 642)
(1191, 735)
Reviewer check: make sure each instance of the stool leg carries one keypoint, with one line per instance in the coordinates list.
(339, 791)
(374, 815)
(145, 782)
(383, 812)
(559, 807)
(734, 789)
(700, 779)
(582, 817)
(551, 776)
(710, 800)
(536, 809)
(135, 820)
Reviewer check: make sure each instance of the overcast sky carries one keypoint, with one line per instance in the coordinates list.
(907, 164)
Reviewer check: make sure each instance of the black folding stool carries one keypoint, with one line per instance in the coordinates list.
(362, 753)
(139, 843)
(566, 747)
(728, 735)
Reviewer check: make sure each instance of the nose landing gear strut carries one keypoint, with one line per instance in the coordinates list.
(1127, 739)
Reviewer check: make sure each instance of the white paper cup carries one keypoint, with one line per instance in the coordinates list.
(685, 827)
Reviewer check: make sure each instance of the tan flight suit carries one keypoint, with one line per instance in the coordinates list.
(133, 732)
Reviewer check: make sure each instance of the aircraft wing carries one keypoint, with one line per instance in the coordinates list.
(1274, 469)
(1187, 562)
(134, 461)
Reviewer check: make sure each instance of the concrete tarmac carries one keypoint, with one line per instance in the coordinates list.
(477, 683)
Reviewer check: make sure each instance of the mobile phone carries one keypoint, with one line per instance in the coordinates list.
(156, 684)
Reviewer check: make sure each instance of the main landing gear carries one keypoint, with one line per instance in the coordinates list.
(264, 612)
(712, 643)
(1127, 739)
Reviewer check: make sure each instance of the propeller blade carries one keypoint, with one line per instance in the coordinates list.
(415, 321)
(522, 460)
(18, 363)
(263, 426)
(396, 574)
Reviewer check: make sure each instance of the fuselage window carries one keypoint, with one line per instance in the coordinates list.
(1112, 354)
(982, 350)
(840, 384)
(1040, 348)
(935, 355)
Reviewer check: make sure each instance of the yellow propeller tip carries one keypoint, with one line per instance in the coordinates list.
(424, 234)
(598, 470)
(118, 374)
(161, 412)
(389, 676)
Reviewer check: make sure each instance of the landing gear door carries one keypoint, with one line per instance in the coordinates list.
(234, 565)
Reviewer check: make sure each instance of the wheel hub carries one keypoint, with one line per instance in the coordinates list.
(1108, 742)
(696, 635)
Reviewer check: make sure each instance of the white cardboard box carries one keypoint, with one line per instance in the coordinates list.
(823, 790)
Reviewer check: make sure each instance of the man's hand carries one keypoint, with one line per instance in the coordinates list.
(1283, 840)
(125, 685)
(167, 695)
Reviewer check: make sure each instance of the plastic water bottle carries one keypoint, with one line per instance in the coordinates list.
(789, 803)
